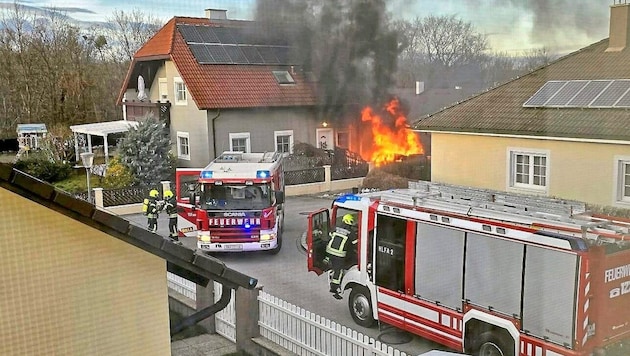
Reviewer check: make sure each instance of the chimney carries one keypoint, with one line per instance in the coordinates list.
(216, 14)
(419, 87)
(619, 36)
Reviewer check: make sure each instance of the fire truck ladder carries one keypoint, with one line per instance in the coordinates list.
(544, 213)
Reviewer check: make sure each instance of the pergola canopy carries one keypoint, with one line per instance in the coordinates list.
(100, 129)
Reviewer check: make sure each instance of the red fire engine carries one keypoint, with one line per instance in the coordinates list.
(236, 202)
(485, 272)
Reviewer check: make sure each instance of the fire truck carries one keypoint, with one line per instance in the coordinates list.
(484, 272)
(235, 203)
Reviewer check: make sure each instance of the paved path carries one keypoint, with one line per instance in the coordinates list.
(203, 345)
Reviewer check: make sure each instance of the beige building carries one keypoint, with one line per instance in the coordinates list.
(562, 130)
(80, 281)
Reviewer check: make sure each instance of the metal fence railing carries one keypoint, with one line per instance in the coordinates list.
(304, 176)
(123, 196)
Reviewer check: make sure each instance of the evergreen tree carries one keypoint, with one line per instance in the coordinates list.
(145, 150)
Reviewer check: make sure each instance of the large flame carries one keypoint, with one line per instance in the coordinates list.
(390, 141)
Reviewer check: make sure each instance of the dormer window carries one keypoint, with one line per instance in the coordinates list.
(283, 77)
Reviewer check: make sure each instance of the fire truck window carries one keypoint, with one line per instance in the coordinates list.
(390, 252)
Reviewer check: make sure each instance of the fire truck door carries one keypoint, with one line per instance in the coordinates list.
(390, 252)
(186, 178)
(317, 235)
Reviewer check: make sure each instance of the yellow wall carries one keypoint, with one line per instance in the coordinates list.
(68, 289)
(577, 170)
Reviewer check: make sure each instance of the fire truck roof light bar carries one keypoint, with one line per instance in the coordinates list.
(206, 174)
(263, 174)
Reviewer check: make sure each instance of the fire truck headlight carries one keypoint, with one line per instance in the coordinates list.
(267, 237)
(204, 238)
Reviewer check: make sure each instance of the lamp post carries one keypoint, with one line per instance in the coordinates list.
(88, 160)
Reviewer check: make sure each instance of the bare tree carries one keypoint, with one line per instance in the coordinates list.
(128, 32)
(435, 47)
(535, 58)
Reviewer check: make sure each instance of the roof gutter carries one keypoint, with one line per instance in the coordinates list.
(530, 137)
(226, 295)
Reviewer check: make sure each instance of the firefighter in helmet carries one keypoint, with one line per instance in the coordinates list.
(341, 239)
(152, 210)
(170, 207)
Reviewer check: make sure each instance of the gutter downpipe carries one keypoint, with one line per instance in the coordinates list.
(226, 295)
(214, 134)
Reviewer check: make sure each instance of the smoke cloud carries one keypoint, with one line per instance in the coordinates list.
(347, 46)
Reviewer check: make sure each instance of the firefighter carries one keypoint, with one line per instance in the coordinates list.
(170, 207)
(152, 210)
(337, 251)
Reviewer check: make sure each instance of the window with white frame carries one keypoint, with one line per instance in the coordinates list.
(183, 145)
(239, 141)
(180, 91)
(528, 170)
(622, 179)
(284, 141)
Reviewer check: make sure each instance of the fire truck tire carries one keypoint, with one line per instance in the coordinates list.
(360, 306)
(490, 344)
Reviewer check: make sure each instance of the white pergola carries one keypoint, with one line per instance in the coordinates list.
(99, 129)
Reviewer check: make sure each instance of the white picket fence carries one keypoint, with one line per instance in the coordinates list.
(182, 285)
(306, 334)
(291, 327)
(225, 319)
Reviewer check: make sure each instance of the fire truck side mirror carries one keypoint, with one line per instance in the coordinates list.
(192, 196)
(279, 197)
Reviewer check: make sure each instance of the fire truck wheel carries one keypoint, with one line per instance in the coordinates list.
(492, 345)
(360, 306)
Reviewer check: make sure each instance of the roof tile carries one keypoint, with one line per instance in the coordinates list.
(214, 86)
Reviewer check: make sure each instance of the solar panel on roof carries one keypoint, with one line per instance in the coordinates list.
(224, 34)
(268, 55)
(207, 34)
(612, 93)
(588, 93)
(544, 93)
(219, 54)
(252, 55)
(566, 93)
(283, 55)
(190, 33)
(201, 53)
(236, 54)
(624, 101)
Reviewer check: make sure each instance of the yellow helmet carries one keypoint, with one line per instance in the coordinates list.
(154, 193)
(348, 219)
(168, 194)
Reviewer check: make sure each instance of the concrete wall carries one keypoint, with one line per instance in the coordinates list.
(576, 170)
(69, 289)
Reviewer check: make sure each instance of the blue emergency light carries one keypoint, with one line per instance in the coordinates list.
(348, 197)
(206, 174)
(263, 174)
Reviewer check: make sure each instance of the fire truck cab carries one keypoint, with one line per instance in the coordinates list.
(484, 272)
(236, 203)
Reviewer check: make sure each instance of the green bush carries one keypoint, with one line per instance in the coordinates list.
(117, 175)
(40, 166)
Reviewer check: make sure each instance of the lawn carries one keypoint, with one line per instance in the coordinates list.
(77, 181)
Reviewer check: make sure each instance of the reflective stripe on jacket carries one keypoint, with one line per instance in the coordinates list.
(337, 244)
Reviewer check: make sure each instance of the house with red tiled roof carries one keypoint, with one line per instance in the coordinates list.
(221, 85)
(561, 130)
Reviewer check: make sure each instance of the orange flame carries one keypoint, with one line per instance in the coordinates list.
(390, 142)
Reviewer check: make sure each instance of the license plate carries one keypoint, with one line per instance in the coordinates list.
(233, 247)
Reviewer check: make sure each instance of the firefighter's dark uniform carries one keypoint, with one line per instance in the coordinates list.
(152, 211)
(170, 206)
(336, 251)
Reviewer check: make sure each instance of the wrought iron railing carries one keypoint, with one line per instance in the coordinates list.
(304, 176)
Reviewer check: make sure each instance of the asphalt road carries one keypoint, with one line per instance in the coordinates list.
(285, 275)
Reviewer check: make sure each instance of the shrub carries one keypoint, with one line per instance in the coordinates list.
(117, 175)
(380, 179)
(40, 166)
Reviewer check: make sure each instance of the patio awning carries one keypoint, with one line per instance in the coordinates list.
(100, 129)
(104, 128)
